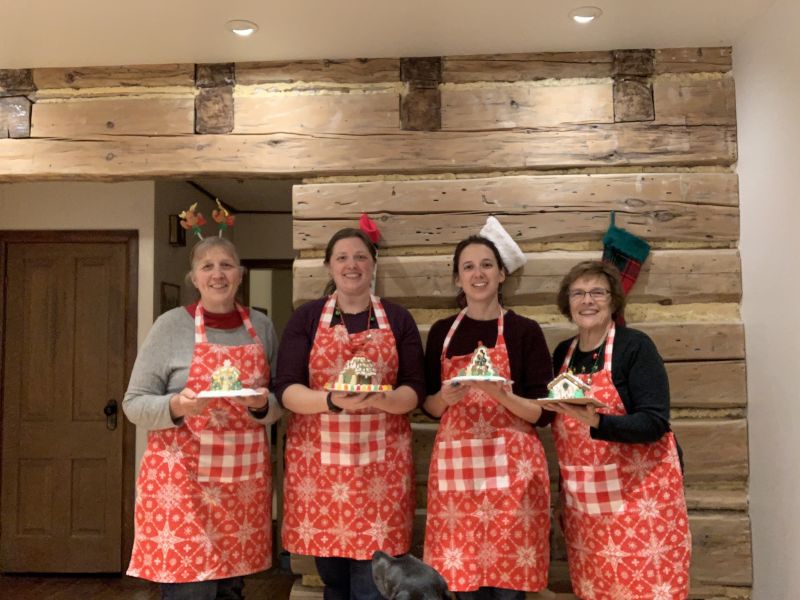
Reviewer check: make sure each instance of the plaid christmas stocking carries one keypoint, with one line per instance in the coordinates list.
(627, 253)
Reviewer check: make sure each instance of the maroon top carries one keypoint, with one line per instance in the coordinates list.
(298, 337)
(229, 320)
(528, 357)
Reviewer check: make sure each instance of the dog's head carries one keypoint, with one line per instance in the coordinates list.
(407, 578)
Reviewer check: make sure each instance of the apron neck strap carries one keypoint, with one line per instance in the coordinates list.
(200, 336)
(457, 322)
(328, 310)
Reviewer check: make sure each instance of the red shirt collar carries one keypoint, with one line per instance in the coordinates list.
(229, 320)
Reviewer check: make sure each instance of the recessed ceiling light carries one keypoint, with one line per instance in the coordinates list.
(242, 28)
(585, 14)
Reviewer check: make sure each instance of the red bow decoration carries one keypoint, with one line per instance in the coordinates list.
(369, 227)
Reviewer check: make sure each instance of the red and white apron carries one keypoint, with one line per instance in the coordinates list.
(348, 486)
(488, 490)
(204, 493)
(624, 512)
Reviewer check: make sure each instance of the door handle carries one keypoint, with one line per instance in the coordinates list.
(110, 411)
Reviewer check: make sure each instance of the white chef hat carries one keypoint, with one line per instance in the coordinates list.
(510, 252)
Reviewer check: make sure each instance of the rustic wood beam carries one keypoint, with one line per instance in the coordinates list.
(527, 66)
(421, 103)
(123, 115)
(15, 117)
(214, 101)
(124, 76)
(290, 155)
(693, 60)
(16, 82)
(360, 70)
(699, 207)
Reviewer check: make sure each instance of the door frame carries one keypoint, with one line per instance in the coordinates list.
(131, 239)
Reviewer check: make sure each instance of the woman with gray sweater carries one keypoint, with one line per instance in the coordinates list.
(203, 504)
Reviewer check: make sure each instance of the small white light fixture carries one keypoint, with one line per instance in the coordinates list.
(241, 27)
(585, 14)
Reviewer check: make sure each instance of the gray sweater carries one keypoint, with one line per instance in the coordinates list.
(162, 365)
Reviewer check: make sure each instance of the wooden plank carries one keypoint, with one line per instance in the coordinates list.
(711, 498)
(127, 76)
(517, 194)
(667, 277)
(694, 101)
(721, 549)
(291, 112)
(698, 207)
(293, 155)
(378, 70)
(142, 115)
(526, 105)
(16, 82)
(693, 60)
(526, 67)
(713, 449)
(213, 110)
(719, 384)
(15, 117)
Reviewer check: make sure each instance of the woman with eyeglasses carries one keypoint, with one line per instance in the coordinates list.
(623, 508)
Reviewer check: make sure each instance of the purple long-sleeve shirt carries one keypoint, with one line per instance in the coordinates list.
(298, 338)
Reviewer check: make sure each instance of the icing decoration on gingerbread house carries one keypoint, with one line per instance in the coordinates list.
(359, 375)
(226, 378)
(480, 365)
(566, 385)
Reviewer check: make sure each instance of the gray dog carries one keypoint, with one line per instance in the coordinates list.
(407, 578)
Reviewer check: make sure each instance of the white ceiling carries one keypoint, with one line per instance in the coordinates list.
(51, 33)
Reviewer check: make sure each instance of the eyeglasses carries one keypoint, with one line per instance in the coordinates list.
(597, 294)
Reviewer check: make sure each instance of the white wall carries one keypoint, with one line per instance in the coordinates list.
(77, 205)
(767, 73)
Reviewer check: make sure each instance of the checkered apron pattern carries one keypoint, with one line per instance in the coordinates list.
(204, 492)
(349, 477)
(624, 514)
(474, 465)
(488, 490)
(352, 440)
(230, 455)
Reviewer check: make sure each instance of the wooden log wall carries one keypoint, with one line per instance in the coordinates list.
(548, 143)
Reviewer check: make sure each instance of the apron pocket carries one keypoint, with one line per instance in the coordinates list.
(475, 465)
(594, 490)
(230, 456)
(352, 440)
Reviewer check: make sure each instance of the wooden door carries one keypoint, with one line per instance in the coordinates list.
(64, 360)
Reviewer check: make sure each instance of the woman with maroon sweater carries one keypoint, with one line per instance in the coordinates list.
(349, 479)
(488, 490)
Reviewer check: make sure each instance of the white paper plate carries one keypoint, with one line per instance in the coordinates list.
(460, 378)
(228, 393)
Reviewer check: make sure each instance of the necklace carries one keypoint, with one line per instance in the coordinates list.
(596, 354)
(339, 313)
